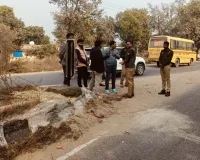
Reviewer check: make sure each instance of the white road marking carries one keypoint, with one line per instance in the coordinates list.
(76, 150)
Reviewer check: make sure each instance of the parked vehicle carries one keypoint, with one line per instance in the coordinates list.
(198, 55)
(184, 52)
(139, 63)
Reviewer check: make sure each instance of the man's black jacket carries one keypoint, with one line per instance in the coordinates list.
(97, 60)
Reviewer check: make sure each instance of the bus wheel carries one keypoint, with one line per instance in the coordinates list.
(177, 63)
(158, 64)
(189, 64)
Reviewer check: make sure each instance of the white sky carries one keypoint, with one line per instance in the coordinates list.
(38, 12)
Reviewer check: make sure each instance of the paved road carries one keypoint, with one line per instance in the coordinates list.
(169, 132)
(54, 78)
(172, 141)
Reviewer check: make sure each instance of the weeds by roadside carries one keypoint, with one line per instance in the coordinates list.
(50, 63)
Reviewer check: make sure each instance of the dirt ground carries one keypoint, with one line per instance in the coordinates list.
(121, 113)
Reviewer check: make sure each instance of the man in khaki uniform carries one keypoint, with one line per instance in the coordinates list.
(165, 58)
(130, 68)
(123, 73)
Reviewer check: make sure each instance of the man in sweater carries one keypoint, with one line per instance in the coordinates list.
(111, 55)
(165, 58)
(97, 66)
(130, 68)
(82, 63)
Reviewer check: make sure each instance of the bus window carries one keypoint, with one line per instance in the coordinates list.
(157, 42)
(189, 46)
(173, 44)
(184, 46)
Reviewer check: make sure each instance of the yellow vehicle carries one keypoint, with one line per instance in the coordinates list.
(183, 50)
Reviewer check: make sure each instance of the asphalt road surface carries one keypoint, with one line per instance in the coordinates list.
(168, 132)
(153, 143)
(56, 78)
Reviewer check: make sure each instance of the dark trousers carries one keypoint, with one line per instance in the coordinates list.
(110, 71)
(82, 74)
(65, 82)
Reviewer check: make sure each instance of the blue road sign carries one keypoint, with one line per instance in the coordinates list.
(18, 54)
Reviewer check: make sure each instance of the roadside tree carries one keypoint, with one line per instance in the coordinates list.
(84, 19)
(134, 25)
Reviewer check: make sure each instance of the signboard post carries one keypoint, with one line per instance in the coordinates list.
(70, 60)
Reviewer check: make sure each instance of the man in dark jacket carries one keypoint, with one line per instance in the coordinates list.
(165, 58)
(97, 66)
(130, 68)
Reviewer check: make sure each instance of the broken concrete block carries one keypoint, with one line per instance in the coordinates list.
(78, 102)
(79, 106)
(16, 131)
(67, 91)
(3, 141)
(49, 113)
(79, 110)
(88, 97)
(85, 91)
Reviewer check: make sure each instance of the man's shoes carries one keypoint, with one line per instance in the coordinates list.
(167, 94)
(107, 92)
(163, 92)
(114, 91)
(127, 96)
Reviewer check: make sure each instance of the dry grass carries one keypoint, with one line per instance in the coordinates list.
(18, 109)
(18, 104)
(6, 96)
(50, 63)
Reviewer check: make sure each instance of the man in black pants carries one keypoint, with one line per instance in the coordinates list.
(111, 55)
(63, 53)
(82, 63)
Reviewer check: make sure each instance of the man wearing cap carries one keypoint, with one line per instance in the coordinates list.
(165, 58)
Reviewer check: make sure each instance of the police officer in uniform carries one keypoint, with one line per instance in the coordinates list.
(165, 58)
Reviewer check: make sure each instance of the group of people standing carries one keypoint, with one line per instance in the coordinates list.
(106, 61)
(102, 62)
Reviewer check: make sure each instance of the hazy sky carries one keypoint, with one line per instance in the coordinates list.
(38, 12)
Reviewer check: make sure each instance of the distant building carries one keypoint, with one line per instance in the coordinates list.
(32, 43)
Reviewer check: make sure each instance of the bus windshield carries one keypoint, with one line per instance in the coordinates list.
(157, 42)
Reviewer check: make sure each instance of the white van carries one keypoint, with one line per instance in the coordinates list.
(139, 64)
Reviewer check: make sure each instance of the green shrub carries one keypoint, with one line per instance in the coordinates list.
(42, 51)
